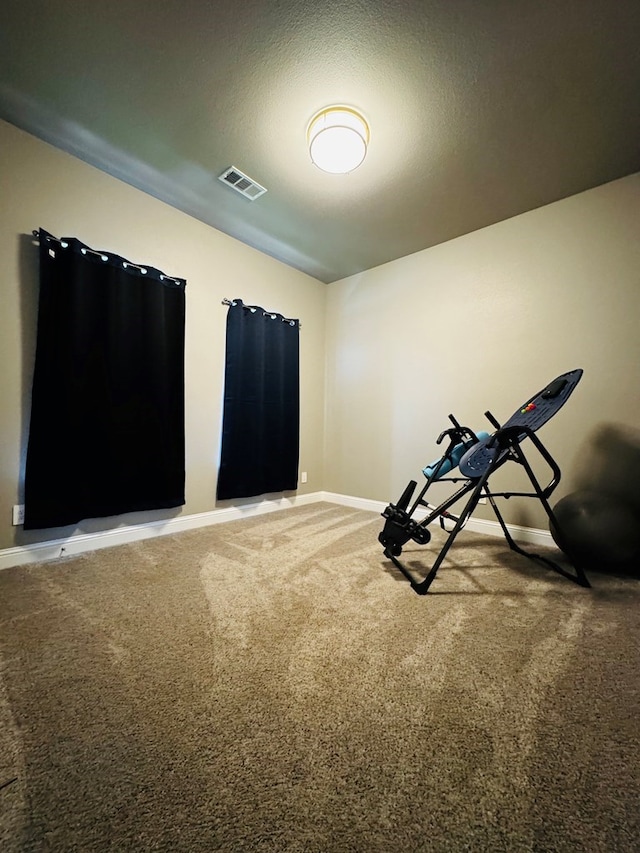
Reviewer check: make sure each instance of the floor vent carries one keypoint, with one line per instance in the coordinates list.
(242, 183)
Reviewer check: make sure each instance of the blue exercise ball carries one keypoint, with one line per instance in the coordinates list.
(597, 530)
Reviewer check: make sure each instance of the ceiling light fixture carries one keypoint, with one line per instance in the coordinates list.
(338, 137)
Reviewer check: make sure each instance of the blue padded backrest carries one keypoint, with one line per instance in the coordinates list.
(533, 414)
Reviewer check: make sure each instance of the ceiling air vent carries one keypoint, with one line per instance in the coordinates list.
(243, 184)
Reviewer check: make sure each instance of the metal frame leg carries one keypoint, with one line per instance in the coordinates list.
(578, 576)
(422, 587)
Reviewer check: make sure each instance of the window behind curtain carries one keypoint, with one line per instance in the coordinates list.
(261, 417)
(107, 418)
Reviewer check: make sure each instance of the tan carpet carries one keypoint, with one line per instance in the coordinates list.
(275, 685)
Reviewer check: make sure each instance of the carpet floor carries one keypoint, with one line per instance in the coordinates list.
(274, 684)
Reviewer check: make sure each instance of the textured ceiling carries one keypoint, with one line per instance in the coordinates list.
(478, 110)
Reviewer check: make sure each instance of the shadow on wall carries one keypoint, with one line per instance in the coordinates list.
(607, 468)
(29, 289)
(609, 463)
(599, 523)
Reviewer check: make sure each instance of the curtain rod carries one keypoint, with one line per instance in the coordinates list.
(85, 249)
(103, 256)
(272, 314)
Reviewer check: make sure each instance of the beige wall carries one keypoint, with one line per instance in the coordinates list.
(481, 322)
(42, 186)
(484, 322)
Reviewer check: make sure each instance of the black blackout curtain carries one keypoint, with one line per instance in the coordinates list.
(107, 414)
(261, 417)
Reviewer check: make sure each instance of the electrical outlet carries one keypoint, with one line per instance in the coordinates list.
(303, 477)
(18, 514)
(482, 500)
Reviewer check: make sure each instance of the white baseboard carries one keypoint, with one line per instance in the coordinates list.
(531, 535)
(84, 542)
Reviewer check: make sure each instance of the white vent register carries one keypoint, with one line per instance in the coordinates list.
(242, 183)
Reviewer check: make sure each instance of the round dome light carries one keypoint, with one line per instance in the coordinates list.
(338, 138)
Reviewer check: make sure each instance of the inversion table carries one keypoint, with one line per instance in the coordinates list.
(478, 456)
